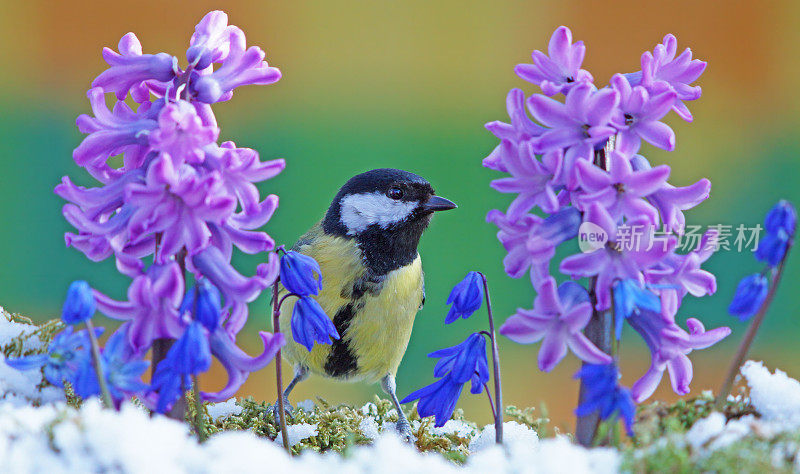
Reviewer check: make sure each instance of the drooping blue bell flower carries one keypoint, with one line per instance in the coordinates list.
(80, 304)
(311, 325)
(298, 274)
(629, 298)
(605, 395)
(465, 298)
(204, 302)
(749, 296)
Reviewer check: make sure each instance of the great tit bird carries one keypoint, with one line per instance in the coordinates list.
(372, 280)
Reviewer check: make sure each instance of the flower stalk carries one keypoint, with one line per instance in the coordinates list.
(497, 408)
(744, 347)
(98, 366)
(276, 328)
(199, 422)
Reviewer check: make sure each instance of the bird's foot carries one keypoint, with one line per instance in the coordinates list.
(404, 430)
(287, 408)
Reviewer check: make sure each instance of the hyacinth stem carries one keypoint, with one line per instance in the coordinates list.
(600, 331)
(276, 327)
(744, 347)
(199, 421)
(98, 366)
(497, 409)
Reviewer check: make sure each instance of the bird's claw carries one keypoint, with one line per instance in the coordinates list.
(288, 409)
(404, 430)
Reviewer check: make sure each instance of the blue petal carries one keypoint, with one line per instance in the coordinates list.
(79, 305)
(28, 362)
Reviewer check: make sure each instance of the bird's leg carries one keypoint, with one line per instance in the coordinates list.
(403, 426)
(301, 373)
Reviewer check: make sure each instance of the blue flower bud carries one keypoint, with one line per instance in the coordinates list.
(749, 296)
(781, 216)
(465, 298)
(80, 304)
(310, 324)
(772, 248)
(297, 274)
(605, 396)
(204, 302)
(629, 298)
(561, 226)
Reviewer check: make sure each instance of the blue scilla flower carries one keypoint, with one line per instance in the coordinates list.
(310, 324)
(465, 298)
(629, 298)
(782, 216)
(465, 362)
(190, 355)
(297, 274)
(772, 248)
(62, 358)
(204, 302)
(80, 304)
(749, 296)
(122, 369)
(605, 395)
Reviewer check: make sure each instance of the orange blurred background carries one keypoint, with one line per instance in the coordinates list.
(410, 85)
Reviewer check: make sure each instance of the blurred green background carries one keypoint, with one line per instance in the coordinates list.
(409, 85)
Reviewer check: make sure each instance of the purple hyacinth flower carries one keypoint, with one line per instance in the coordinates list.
(152, 306)
(669, 346)
(680, 274)
(533, 181)
(111, 133)
(241, 168)
(782, 216)
(614, 261)
(531, 241)
(562, 69)
(181, 133)
(557, 319)
(237, 363)
(661, 70)
(61, 360)
(131, 67)
(605, 396)
(177, 202)
(638, 117)
(210, 42)
(465, 362)
(298, 274)
(203, 301)
(671, 201)
(750, 295)
(241, 67)
(465, 298)
(212, 264)
(621, 189)
(579, 124)
(79, 305)
(437, 399)
(311, 325)
(520, 130)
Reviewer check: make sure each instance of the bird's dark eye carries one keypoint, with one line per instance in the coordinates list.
(395, 192)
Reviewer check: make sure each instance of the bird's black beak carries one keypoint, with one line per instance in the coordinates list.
(438, 203)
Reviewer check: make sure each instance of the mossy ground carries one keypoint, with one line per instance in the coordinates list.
(657, 446)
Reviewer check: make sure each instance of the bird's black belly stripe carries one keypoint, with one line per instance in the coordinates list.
(342, 360)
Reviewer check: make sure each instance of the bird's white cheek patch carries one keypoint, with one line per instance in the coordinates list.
(359, 211)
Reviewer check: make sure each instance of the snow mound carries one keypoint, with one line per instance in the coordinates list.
(10, 330)
(775, 396)
(298, 433)
(223, 409)
(456, 427)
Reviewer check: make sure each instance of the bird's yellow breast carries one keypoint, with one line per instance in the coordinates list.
(373, 314)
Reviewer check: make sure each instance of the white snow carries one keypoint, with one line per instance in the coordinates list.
(456, 427)
(775, 396)
(306, 405)
(298, 433)
(9, 330)
(513, 433)
(222, 409)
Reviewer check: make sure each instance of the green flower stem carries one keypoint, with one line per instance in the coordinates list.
(98, 366)
(498, 391)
